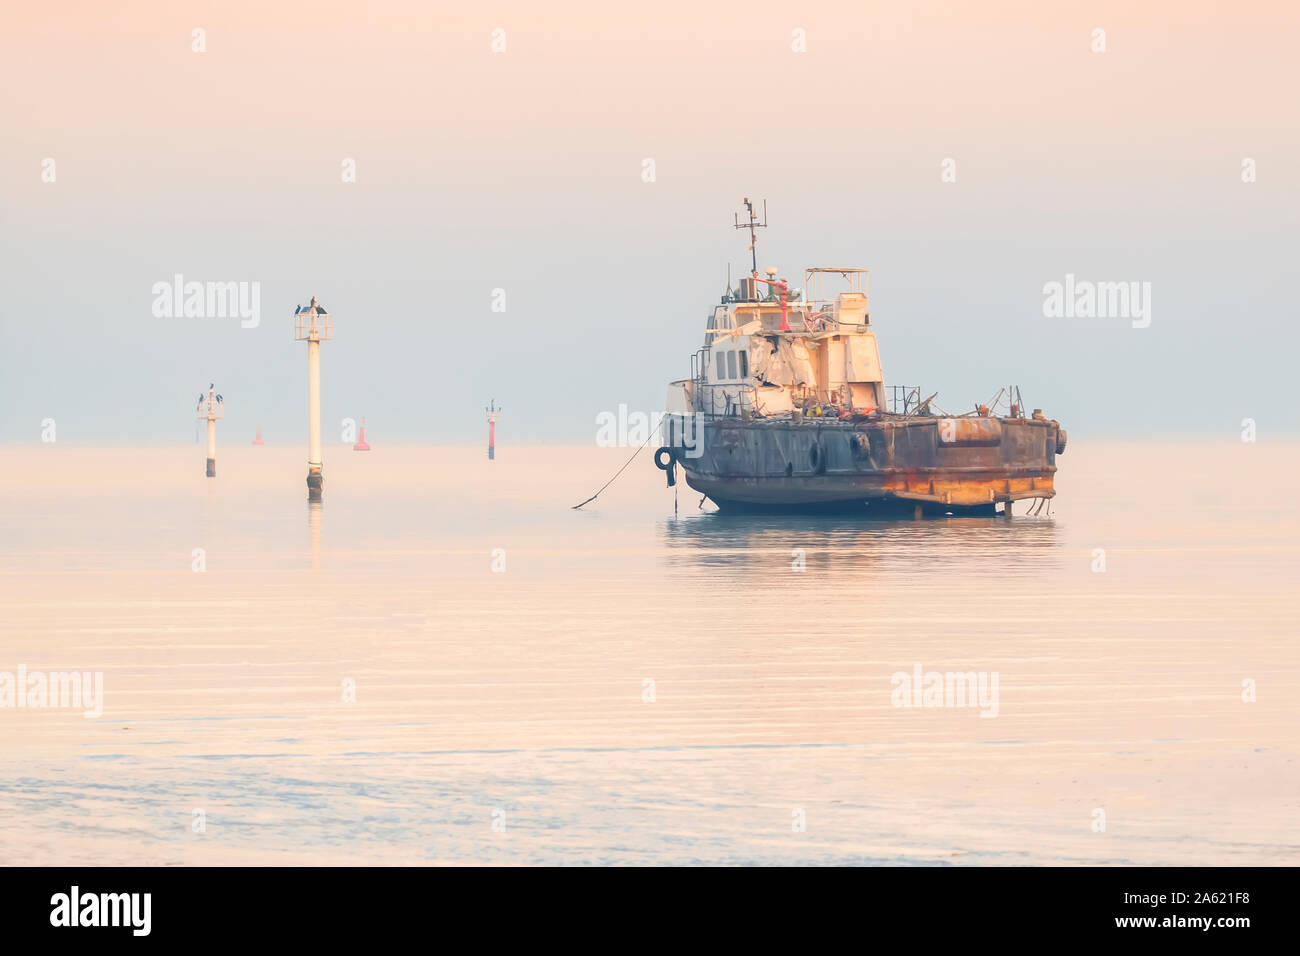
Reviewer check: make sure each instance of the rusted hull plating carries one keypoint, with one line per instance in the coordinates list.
(912, 465)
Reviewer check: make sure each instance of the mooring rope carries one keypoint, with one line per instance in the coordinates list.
(653, 432)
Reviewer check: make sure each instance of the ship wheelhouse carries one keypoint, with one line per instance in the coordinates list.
(778, 352)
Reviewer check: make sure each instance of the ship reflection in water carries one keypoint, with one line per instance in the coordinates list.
(834, 546)
(616, 685)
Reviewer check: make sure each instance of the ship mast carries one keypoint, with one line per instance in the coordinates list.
(751, 225)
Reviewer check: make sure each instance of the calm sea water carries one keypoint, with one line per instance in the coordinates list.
(637, 686)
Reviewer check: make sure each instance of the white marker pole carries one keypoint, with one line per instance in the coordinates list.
(212, 442)
(314, 325)
(314, 463)
(211, 411)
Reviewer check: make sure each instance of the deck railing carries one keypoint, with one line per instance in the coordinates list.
(904, 399)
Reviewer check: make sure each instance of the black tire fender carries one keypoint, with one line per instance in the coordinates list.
(817, 458)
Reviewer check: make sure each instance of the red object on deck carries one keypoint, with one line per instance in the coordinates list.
(782, 289)
(258, 439)
(361, 444)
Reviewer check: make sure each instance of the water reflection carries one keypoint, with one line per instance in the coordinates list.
(742, 542)
(314, 521)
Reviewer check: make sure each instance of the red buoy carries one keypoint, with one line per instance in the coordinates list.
(361, 445)
(492, 412)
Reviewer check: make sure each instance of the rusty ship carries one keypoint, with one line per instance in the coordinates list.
(786, 410)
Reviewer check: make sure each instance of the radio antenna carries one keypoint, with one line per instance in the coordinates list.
(751, 225)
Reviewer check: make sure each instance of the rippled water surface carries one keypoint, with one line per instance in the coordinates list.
(639, 687)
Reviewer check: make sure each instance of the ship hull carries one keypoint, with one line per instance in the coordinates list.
(912, 466)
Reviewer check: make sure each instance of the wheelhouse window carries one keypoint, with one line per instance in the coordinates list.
(731, 365)
(721, 365)
(744, 364)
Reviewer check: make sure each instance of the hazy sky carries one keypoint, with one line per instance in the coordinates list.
(523, 170)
